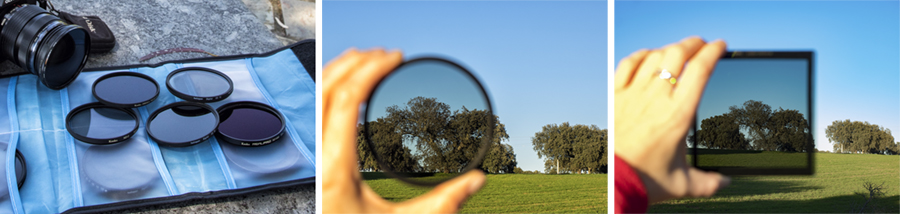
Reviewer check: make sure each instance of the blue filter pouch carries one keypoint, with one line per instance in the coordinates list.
(66, 175)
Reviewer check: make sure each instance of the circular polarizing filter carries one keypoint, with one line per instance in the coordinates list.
(96, 123)
(182, 124)
(265, 159)
(199, 84)
(21, 173)
(119, 170)
(125, 89)
(249, 124)
(427, 116)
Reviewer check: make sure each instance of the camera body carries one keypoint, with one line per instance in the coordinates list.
(40, 42)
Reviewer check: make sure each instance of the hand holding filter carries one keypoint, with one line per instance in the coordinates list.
(429, 115)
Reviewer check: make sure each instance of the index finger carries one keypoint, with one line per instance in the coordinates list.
(699, 68)
(339, 121)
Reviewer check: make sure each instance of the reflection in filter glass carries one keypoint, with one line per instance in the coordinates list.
(182, 124)
(754, 114)
(102, 123)
(199, 83)
(427, 117)
(125, 89)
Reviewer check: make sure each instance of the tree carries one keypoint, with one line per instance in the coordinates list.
(721, 132)
(389, 145)
(784, 130)
(861, 137)
(425, 136)
(789, 131)
(518, 170)
(575, 149)
(754, 116)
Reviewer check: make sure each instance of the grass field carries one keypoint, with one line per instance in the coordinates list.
(831, 190)
(528, 193)
(752, 159)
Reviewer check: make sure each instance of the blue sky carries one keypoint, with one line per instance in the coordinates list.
(856, 46)
(541, 62)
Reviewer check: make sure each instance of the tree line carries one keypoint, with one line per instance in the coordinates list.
(572, 148)
(861, 137)
(426, 136)
(443, 140)
(784, 130)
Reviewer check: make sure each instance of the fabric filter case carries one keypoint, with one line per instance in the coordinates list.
(68, 175)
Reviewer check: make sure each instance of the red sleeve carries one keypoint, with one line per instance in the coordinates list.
(631, 196)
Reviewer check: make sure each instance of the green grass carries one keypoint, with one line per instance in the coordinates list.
(831, 190)
(744, 158)
(528, 193)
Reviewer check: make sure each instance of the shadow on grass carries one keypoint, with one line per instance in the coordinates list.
(747, 186)
(836, 204)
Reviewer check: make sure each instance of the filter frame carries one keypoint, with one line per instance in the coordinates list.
(186, 143)
(124, 105)
(482, 151)
(21, 159)
(101, 141)
(103, 185)
(202, 99)
(250, 142)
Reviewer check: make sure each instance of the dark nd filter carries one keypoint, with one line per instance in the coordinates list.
(182, 124)
(199, 84)
(125, 89)
(20, 173)
(249, 124)
(97, 123)
(119, 171)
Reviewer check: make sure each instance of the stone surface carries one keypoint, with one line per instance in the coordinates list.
(224, 27)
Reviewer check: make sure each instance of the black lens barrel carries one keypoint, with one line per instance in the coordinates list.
(43, 44)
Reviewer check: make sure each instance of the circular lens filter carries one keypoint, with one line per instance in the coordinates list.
(182, 124)
(264, 160)
(97, 123)
(125, 89)
(20, 172)
(119, 170)
(249, 123)
(414, 130)
(199, 84)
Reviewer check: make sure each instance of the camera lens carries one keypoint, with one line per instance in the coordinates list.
(199, 84)
(125, 89)
(182, 124)
(44, 45)
(249, 124)
(96, 123)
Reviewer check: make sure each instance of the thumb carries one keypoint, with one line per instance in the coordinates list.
(447, 197)
(705, 184)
